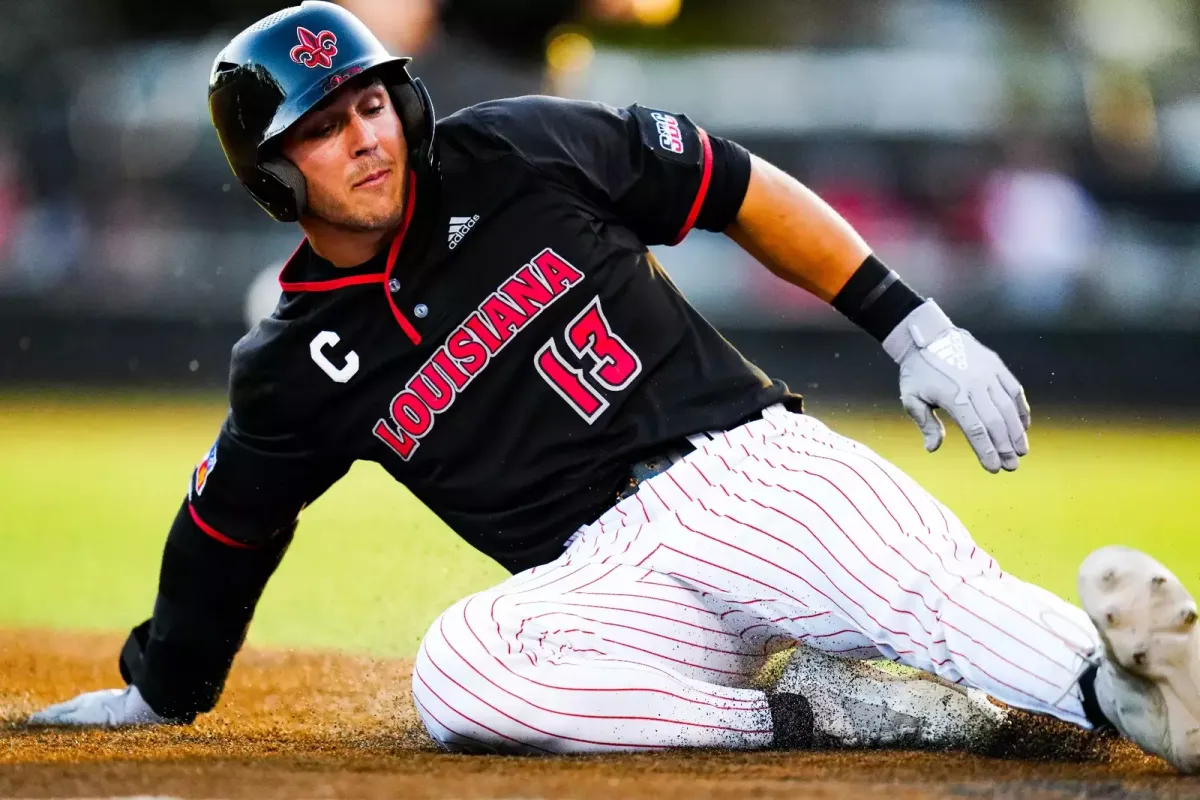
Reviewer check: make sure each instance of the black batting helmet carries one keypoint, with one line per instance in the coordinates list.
(279, 68)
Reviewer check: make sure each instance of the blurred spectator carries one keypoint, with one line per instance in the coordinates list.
(1042, 229)
(114, 193)
(10, 197)
(49, 244)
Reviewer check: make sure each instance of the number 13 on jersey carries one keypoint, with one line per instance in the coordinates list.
(590, 338)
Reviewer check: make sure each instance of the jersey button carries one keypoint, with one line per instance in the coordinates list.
(421, 311)
(394, 285)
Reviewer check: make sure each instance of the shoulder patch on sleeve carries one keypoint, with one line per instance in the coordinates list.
(667, 135)
(204, 470)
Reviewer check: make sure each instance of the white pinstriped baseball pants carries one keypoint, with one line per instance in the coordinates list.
(645, 632)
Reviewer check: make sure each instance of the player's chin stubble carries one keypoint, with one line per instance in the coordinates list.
(359, 217)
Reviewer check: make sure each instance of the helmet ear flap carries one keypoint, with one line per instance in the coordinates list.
(415, 109)
(285, 178)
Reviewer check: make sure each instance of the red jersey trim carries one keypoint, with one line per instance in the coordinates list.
(702, 192)
(336, 283)
(321, 286)
(215, 534)
(409, 330)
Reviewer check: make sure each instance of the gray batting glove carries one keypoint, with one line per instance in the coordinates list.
(109, 708)
(942, 366)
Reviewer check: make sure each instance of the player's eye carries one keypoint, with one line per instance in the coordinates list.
(373, 111)
(321, 131)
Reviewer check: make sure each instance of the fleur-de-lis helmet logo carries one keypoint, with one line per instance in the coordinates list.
(315, 49)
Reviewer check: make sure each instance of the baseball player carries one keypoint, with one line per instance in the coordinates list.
(474, 308)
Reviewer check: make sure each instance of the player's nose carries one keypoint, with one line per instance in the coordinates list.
(361, 136)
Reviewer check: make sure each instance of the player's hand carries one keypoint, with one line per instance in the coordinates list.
(942, 366)
(109, 708)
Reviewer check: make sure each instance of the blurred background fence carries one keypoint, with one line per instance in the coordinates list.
(1034, 165)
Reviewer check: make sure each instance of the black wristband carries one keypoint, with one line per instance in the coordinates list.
(876, 299)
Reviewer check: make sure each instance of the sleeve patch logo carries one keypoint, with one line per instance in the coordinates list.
(670, 137)
(205, 468)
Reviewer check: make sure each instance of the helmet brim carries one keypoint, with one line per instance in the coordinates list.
(324, 86)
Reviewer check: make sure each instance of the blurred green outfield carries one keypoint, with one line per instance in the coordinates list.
(89, 484)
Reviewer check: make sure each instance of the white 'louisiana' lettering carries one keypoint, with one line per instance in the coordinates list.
(553, 277)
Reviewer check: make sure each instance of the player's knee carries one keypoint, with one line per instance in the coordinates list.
(448, 689)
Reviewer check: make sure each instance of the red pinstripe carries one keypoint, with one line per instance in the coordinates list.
(1028, 618)
(696, 581)
(650, 485)
(830, 635)
(651, 597)
(504, 666)
(943, 621)
(675, 677)
(733, 571)
(680, 661)
(636, 629)
(1008, 661)
(946, 536)
(672, 620)
(508, 669)
(838, 561)
(781, 619)
(769, 623)
(575, 715)
(953, 541)
(841, 530)
(976, 665)
(589, 583)
(426, 712)
(920, 571)
(526, 724)
(643, 505)
(497, 599)
(657, 556)
(672, 477)
(417, 677)
(836, 605)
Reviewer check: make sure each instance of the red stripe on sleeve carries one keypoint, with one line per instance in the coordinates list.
(214, 533)
(702, 192)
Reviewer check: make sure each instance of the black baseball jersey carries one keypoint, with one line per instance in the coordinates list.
(507, 357)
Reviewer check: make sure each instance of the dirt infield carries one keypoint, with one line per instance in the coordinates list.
(305, 725)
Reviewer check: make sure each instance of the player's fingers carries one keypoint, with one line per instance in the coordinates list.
(922, 414)
(1012, 420)
(57, 713)
(995, 434)
(91, 708)
(1012, 387)
(968, 420)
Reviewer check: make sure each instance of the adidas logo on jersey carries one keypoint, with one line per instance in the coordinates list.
(460, 227)
(950, 348)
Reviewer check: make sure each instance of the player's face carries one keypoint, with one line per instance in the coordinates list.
(352, 154)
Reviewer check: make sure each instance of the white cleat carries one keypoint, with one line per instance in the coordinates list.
(856, 704)
(1148, 681)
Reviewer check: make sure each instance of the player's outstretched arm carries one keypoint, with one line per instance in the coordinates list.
(176, 662)
(226, 541)
(801, 239)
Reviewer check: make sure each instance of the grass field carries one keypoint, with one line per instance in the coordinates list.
(89, 484)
